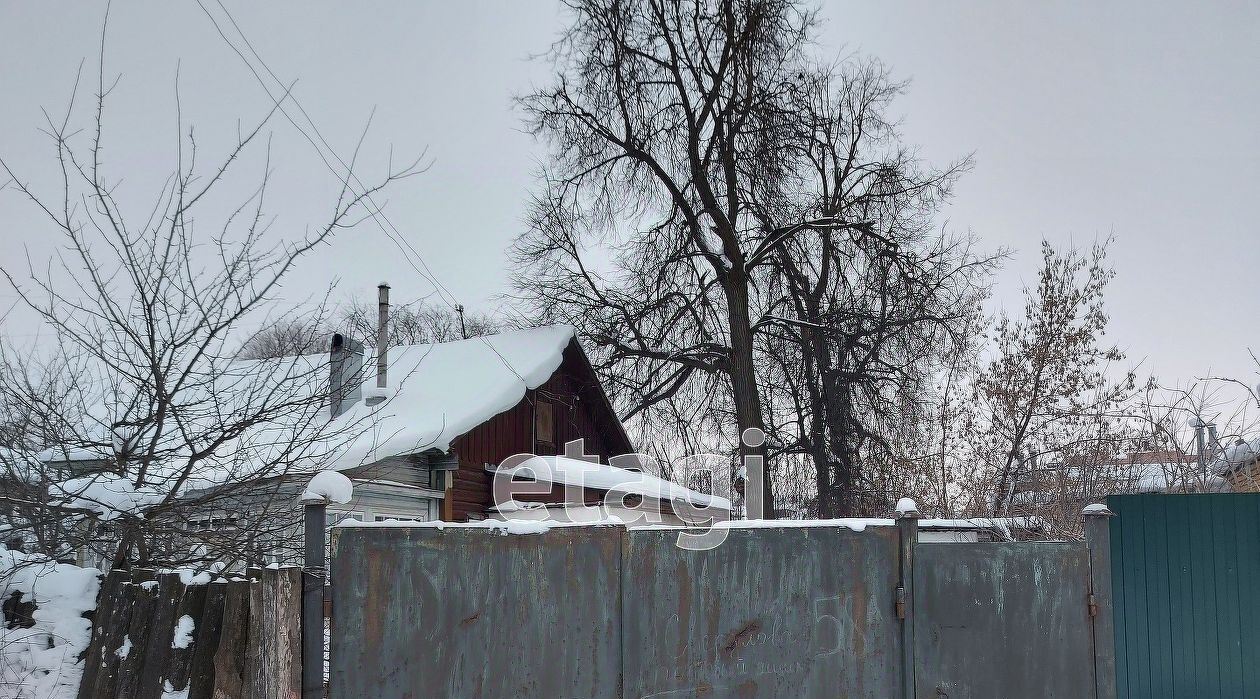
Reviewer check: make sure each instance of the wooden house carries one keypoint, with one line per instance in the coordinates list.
(453, 412)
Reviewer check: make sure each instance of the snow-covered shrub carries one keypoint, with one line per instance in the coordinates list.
(42, 662)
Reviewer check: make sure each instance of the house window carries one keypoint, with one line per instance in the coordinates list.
(426, 511)
(216, 522)
(332, 519)
(545, 423)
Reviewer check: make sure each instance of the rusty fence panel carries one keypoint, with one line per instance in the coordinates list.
(791, 612)
(467, 612)
(807, 612)
(1003, 620)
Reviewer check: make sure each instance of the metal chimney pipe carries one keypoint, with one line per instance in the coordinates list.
(382, 334)
(1200, 443)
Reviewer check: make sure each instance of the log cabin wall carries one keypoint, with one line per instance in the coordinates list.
(578, 409)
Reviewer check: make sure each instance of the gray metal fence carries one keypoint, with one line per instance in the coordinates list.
(792, 611)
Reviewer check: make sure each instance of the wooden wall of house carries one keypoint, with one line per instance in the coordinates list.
(1245, 479)
(579, 411)
(407, 470)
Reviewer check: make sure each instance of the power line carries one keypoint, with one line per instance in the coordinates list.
(373, 208)
(376, 212)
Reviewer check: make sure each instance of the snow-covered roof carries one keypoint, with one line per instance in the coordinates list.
(585, 474)
(1140, 472)
(70, 454)
(437, 392)
(1237, 455)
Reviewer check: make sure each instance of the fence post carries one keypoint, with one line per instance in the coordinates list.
(1098, 538)
(908, 536)
(285, 612)
(141, 597)
(209, 632)
(230, 668)
(98, 652)
(156, 653)
(255, 683)
(179, 666)
(313, 576)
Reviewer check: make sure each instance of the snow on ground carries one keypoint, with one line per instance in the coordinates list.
(42, 662)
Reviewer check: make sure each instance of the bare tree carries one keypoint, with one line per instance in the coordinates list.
(287, 337)
(860, 317)
(409, 324)
(161, 429)
(658, 119)
(419, 323)
(1047, 394)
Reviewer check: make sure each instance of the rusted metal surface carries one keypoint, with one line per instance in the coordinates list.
(801, 612)
(470, 613)
(1003, 620)
(793, 612)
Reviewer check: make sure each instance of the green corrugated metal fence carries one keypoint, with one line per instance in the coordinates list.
(1186, 581)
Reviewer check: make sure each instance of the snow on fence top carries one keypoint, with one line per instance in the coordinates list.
(1005, 525)
(43, 660)
(906, 506)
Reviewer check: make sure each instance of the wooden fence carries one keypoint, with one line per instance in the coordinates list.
(244, 641)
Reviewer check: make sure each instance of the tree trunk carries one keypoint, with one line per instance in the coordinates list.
(744, 384)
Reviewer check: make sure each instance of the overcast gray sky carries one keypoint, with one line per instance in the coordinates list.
(1087, 119)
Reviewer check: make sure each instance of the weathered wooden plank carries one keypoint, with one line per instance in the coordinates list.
(209, 631)
(104, 684)
(157, 652)
(106, 599)
(286, 606)
(230, 658)
(180, 664)
(255, 678)
(273, 661)
(141, 598)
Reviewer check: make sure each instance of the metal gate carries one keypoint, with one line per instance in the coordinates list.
(991, 618)
(1186, 571)
(800, 612)
(465, 613)
(792, 612)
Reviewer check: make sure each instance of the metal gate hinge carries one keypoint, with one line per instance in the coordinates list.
(901, 602)
(1093, 606)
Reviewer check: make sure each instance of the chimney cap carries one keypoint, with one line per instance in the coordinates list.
(383, 285)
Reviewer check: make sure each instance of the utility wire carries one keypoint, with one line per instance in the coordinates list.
(373, 208)
(378, 215)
